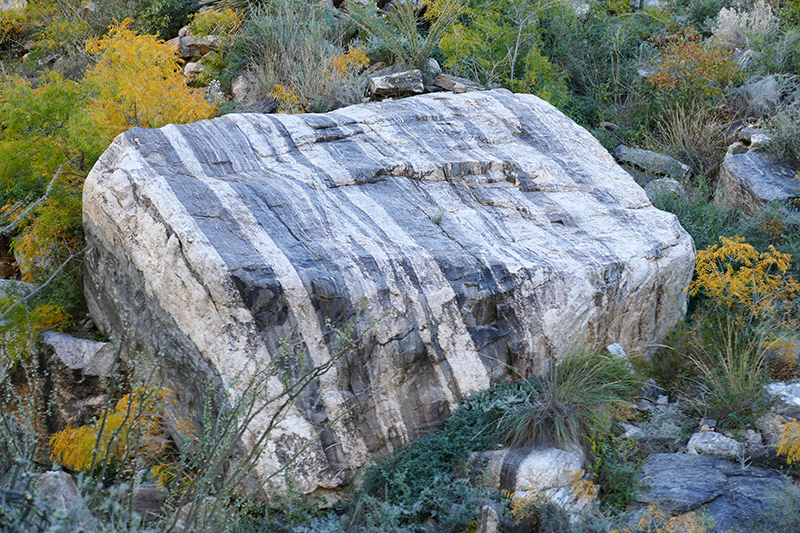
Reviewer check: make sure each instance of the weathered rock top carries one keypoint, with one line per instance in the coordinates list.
(486, 231)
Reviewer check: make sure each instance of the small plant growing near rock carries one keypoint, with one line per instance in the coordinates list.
(132, 428)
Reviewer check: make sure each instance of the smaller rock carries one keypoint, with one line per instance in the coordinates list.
(185, 512)
(191, 47)
(57, 490)
(662, 400)
(433, 67)
(148, 500)
(488, 519)
(664, 186)
(713, 443)
(239, 88)
(397, 84)
(746, 133)
(707, 424)
(77, 373)
(631, 431)
(755, 179)
(456, 84)
(193, 69)
(758, 141)
(616, 350)
(736, 148)
(771, 427)
(645, 161)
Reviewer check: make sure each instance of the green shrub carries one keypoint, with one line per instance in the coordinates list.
(400, 32)
(294, 45)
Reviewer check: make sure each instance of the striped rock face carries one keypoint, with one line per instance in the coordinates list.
(486, 231)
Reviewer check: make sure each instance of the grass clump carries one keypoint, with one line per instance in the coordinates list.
(566, 404)
(295, 45)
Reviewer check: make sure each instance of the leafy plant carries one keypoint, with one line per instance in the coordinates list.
(400, 32)
(132, 428)
(734, 274)
(137, 82)
(689, 69)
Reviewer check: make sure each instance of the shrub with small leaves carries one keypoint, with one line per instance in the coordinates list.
(690, 69)
(133, 428)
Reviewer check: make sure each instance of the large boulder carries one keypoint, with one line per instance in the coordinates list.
(485, 232)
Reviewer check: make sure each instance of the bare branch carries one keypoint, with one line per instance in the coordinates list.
(39, 289)
(9, 227)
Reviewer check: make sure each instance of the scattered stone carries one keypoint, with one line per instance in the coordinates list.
(746, 134)
(638, 162)
(756, 179)
(524, 469)
(193, 69)
(729, 493)
(57, 491)
(401, 83)
(456, 84)
(631, 431)
(533, 472)
(736, 148)
(433, 67)
(148, 500)
(662, 400)
(708, 424)
(77, 375)
(616, 350)
(240, 88)
(488, 519)
(387, 203)
(788, 394)
(191, 47)
(713, 443)
(771, 427)
(662, 186)
(758, 141)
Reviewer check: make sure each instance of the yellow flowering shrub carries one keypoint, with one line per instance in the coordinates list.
(134, 427)
(656, 520)
(137, 81)
(733, 273)
(789, 441)
(353, 59)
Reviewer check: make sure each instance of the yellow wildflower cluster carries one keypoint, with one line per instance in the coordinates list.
(353, 60)
(287, 98)
(789, 441)
(132, 428)
(734, 274)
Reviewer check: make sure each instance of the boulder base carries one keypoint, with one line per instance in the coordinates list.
(485, 232)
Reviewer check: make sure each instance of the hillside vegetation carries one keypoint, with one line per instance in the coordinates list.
(673, 76)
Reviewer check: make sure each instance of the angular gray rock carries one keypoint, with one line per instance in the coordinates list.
(729, 493)
(486, 232)
(78, 381)
(456, 84)
(639, 161)
(713, 443)
(755, 179)
(397, 84)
